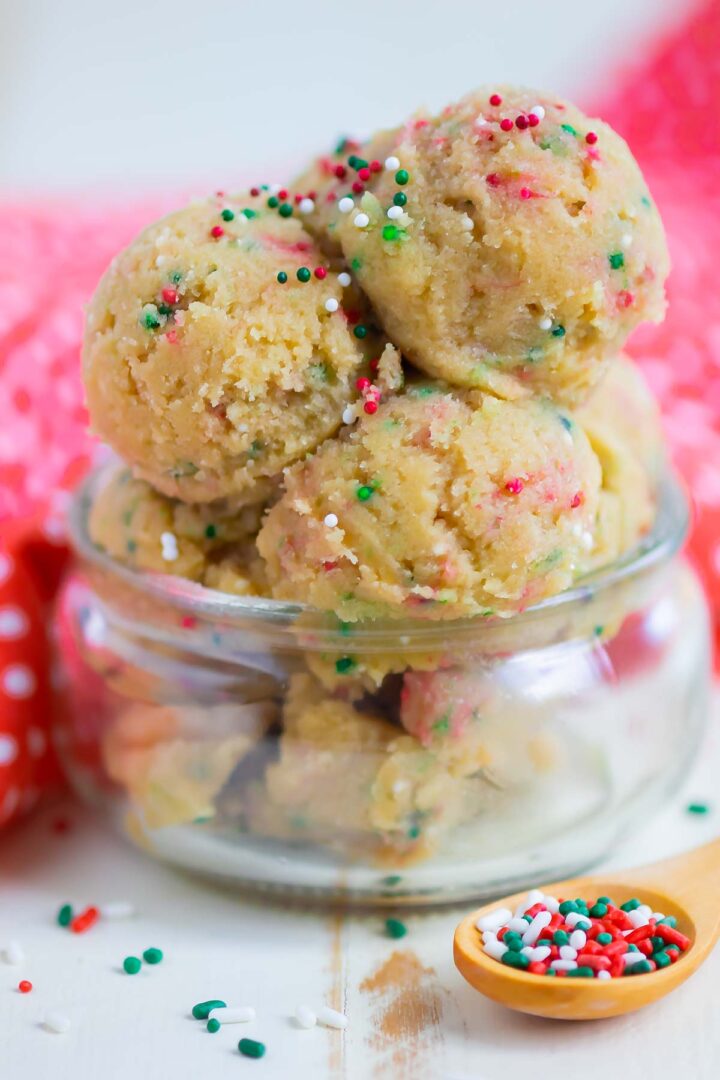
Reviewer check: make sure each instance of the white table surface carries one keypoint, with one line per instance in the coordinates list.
(220, 944)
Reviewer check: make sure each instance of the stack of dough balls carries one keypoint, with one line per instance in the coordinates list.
(393, 391)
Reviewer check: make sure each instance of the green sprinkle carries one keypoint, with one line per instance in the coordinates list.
(395, 928)
(561, 937)
(657, 943)
(442, 725)
(285, 210)
(582, 925)
(227, 215)
(669, 920)
(132, 964)
(176, 277)
(282, 277)
(604, 899)
(400, 198)
(251, 1048)
(150, 317)
(213, 1025)
(598, 911)
(616, 260)
(391, 880)
(698, 808)
(249, 214)
(64, 915)
(359, 163)
(515, 959)
(356, 263)
(364, 492)
(210, 532)
(131, 547)
(567, 907)
(360, 331)
(153, 956)
(661, 959)
(641, 968)
(413, 832)
(604, 939)
(202, 1010)
(550, 972)
(514, 942)
(633, 948)
(273, 202)
(543, 941)
(645, 201)
(630, 905)
(581, 973)
(340, 148)
(527, 918)
(390, 232)
(401, 177)
(598, 631)
(303, 274)
(344, 664)
(165, 309)
(569, 128)
(558, 331)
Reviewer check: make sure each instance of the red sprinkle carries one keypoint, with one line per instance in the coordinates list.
(533, 120)
(340, 171)
(170, 295)
(282, 193)
(254, 191)
(320, 273)
(492, 179)
(172, 337)
(577, 500)
(525, 193)
(506, 124)
(329, 565)
(370, 407)
(522, 122)
(514, 486)
(375, 166)
(217, 231)
(85, 920)
(188, 622)
(363, 383)
(495, 99)
(673, 937)
(591, 138)
(25, 986)
(357, 187)
(364, 174)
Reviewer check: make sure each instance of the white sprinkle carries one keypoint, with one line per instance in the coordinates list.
(574, 917)
(626, 240)
(348, 416)
(534, 897)
(345, 205)
(12, 953)
(489, 935)
(644, 910)
(274, 188)
(467, 223)
(631, 958)
(604, 975)
(305, 1017)
(518, 924)
(95, 628)
(638, 917)
(495, 949)
(233, 1014)
(361, 221)
(540, 953)
(17, 681)
(306, 206)
(536, 927)
(395, 212)
(539, 111)
(331, 304)
(117, 909)
(552, 904)
(56, 1022)
(545, 323)
(331, 1017)
(392, 162)
(344, 279)
(567, 952)
(578, 939)
(480, 121)
(658, 916)
(330, 520)
(563, 965)
(494, 919)
(168, 542)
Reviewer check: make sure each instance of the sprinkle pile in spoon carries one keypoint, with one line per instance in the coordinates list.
(546, 936)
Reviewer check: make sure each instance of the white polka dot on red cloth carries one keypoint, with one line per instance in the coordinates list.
(36, 742)
(13, 623)
(17, 681)
(9, 803)
(6, 567)
(8, 749)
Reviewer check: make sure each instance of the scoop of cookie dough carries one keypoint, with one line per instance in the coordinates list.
(211, 543)
(217, 350)
(440, 504)
(512, 246)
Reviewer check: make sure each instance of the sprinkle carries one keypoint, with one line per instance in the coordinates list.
(364, 173)
(467, 223)
(348, 415)
(153, 956)
(391, 232)
(401, 177)
(344, 664)
(85, 920)
(591, 138)
(545, 323)
(340, 171)
(202, 1010)
(344, 279)
(399, 198)
(538, 111)
(330, 520)
(395, 928)
(254, 191)
(169, 295)
(495, 99)
(361, 221)
(25, 986)
(506, 125)
(626, 240)
(360, 331)
(698, 808)
(364, 492)
(370, 407)
(559, 331)
(521, 122)
(303, 274)
(64, 915)
(616, 260)
(331, 1017)
(306, 206)
(56, 1022)
(282, 277)
(345, 205)
(169, 545)
(525, 193)
(514, 486)
(233, 1014)
(375, 166)
(285, 210)
(305, 1017)
(132, 964)
(392, 163)
(395, 212)
(320, 273)
(533, 120)
(331, 304)
(217, 231)
(115, 909)
(227, 215)
(213, 1025)
(251, 1048)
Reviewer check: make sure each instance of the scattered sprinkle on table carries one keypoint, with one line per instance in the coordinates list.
(64, 915)
(305, 1017)
(152, 956)
(331, 1017)
(25, 986)
(251, 1048)
(56, 1022)
(202, 1010)
(233, 1014)
(698, 808)
(574, 939)
(132, 964)
(213, 1025)
(114, 909)
(395, 928)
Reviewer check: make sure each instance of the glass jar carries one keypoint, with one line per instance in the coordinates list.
(271, 745)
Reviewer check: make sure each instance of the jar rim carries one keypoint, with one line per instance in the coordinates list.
(194, 601)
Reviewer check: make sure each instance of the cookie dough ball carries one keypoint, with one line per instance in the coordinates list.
(513, 247)
(211, 543)
(622, 423)
(439, 505)
(203, 369)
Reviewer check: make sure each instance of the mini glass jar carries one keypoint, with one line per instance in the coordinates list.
(271, 745)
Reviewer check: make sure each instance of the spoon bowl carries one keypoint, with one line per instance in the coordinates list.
(687, 887)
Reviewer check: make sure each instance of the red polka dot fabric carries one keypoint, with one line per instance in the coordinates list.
(52, 254)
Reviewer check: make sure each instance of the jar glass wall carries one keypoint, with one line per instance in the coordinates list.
(268, 744)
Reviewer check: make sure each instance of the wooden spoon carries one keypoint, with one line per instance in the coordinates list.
(687, 887)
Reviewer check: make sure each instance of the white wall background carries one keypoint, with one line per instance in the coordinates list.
(136, 93)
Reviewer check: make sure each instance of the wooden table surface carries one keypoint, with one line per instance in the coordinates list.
(411, 1016)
